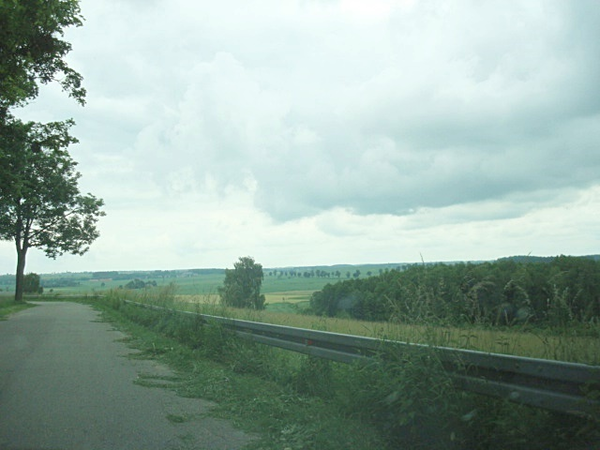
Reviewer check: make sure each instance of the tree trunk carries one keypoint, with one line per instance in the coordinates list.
(20, 274)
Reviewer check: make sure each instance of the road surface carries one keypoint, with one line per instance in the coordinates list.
(66, 383)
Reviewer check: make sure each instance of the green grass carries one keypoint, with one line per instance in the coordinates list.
(248, 383)
(287, 307)
(8, 306)
(198, 285)
(194, 283)
(294, 401)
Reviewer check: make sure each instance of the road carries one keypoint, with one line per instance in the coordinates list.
(66, 383)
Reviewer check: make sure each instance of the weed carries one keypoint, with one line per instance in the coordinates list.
(408, 396)
(315, 377)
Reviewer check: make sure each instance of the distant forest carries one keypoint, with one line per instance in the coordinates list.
(516, 290)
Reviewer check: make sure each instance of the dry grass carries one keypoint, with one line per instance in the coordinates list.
(208, 299)
(563, 346)
(288, 296)
(271, 297)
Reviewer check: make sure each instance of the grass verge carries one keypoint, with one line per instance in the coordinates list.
(246, 382)
(292, 401)
(8, 306)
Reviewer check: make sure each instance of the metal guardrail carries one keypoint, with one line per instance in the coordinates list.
(554, 385)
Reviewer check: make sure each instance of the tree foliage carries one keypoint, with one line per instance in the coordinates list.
(241, 287)
(32, 50)
(557, 292)
(40, 202)
(31, 284)
(139, 284)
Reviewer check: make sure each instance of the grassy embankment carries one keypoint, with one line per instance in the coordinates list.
(293, 401)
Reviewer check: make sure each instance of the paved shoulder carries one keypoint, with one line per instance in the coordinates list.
(65, 383)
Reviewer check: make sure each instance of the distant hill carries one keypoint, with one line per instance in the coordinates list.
(541, 259)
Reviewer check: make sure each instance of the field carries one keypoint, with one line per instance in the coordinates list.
(285, 308)
(283, 292)
(567, 346)
(363, 411)
(286, 296)
(279, 285)
(202, 281)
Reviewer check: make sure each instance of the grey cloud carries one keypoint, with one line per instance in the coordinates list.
(445, 106)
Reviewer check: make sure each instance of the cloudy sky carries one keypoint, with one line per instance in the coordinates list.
(305, 132)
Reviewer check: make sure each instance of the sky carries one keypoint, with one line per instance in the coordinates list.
(318, 132)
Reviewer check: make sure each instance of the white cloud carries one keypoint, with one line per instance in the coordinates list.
(336, 131)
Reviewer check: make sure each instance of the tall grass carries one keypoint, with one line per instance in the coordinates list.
(400, 401)
(561, 342)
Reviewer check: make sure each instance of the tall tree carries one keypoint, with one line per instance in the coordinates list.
(32, 50)
(242, 284)
(40, 202)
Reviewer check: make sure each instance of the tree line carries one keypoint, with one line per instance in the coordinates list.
(320, 273)
(558, 292)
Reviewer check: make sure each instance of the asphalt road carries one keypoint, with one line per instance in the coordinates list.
(66, 383)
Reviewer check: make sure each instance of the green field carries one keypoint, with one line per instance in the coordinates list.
(288, 292)
(279, 285)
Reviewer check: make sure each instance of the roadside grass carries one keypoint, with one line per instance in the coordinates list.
(298, 402)
(248, 383)
(8, 306)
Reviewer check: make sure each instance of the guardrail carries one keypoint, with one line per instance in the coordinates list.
(554, 385)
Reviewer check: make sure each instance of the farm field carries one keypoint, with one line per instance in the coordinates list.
(283, 291)
(562, 345)
(535, 344)
(279, 285)
(288, 295)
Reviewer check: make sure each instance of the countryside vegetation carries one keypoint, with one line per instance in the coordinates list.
(403, 400)
(562, 291)
(546, 308)
(543, 308)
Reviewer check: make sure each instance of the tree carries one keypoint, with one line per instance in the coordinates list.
(241, 287)
(31, 284)
(40, 202)
(139, 284)
(32, 51)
